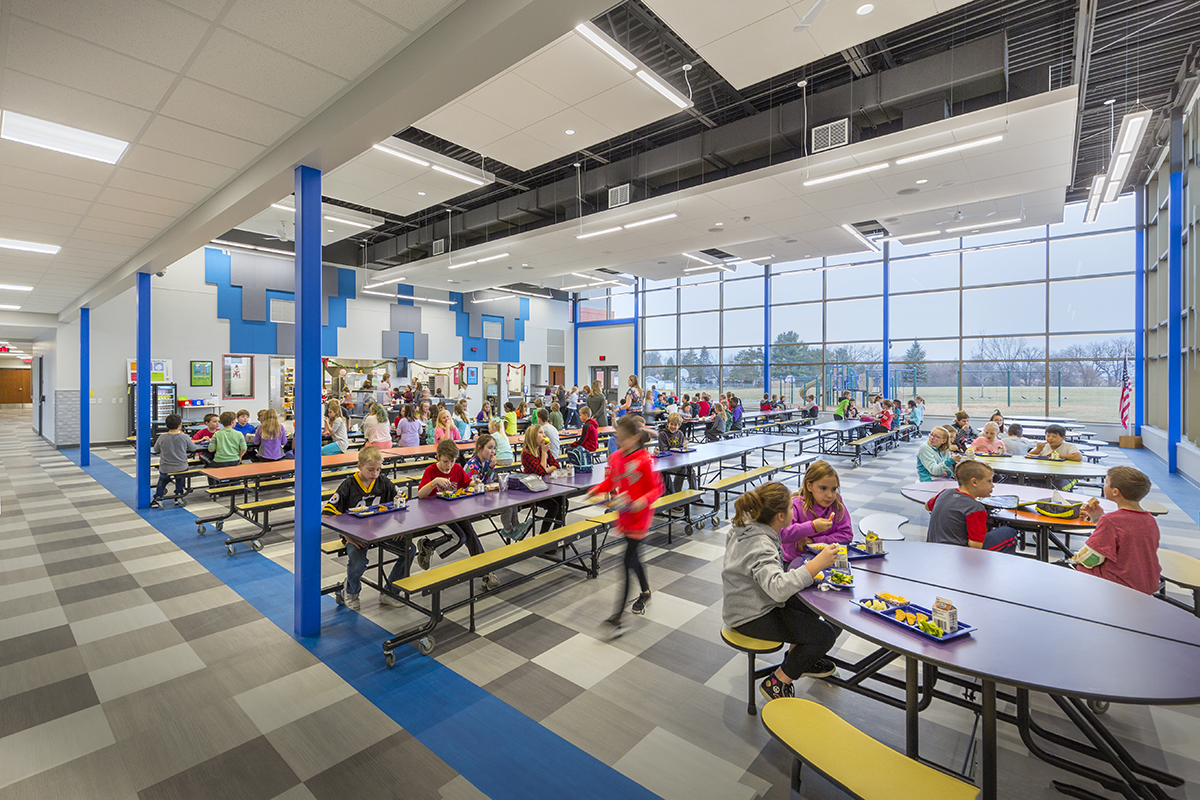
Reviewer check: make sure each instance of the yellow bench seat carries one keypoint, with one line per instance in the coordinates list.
(664, 503)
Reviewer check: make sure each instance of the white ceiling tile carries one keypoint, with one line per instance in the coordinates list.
(47, 229)
(37, 50)
(159, 186)
(410, 14)
(173, 165)
(232, 62)
(209, 9)
(122, 198)
(149, 30)
(628, 106)
(464, 126)
(552, 130)
(572, 70)
(513, 101)
(336, 35)
(522, 151)
(133, 216)
(194, 141)
(94, 223)
(701, 23)
(53, 202)
(39, 159)
(219, 110)
(55, 102)
(21, 178)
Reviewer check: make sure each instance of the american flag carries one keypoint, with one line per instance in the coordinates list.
(1126, 394)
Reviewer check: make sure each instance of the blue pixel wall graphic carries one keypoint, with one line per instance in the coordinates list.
(510, 313)
(246, 283)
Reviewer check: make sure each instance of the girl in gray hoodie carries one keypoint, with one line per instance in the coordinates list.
(760, 596)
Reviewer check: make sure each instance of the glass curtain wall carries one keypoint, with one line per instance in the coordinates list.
(1036, 321)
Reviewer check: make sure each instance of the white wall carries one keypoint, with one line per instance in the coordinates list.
(614, 342)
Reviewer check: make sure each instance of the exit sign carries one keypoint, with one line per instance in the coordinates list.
(601, 357)
(3, 349)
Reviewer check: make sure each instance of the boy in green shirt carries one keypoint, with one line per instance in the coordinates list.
(227, 445)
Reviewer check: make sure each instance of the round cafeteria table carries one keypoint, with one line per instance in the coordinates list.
(1025, 467)
(1039, 628)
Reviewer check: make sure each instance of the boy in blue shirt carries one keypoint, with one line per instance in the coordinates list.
(244, 426)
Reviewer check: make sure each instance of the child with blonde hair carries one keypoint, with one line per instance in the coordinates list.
(818, 514)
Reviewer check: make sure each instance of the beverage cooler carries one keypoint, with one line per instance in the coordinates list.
(164, 403)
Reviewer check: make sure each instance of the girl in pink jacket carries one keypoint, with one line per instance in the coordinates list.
(818, 515)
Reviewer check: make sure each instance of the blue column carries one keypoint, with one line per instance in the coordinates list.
(143, 390)
(637, 327)
(887, 333)
(575, 358)
(1175, 292)
(85, 387)
(1139, 314)
(308, 402)
(767, 330)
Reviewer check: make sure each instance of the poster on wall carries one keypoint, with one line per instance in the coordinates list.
(160, 370)
(472, 376)
(202, 373)
(238, 376)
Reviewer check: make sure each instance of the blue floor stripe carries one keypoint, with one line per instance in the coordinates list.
(498, 749)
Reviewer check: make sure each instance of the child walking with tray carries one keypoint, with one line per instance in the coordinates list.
(761, 598)
(818, 514)
(634, 486)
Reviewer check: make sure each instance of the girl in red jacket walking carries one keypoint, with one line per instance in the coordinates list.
(634, 486)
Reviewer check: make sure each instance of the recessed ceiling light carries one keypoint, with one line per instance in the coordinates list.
(10, 308)
(345, 221)
(13, 288)
(330, 230)
(524, 265)
(32, 247)
(422, 194)
(923, 181)
(865, 8)
(60, 138)
(569, 132)
(718, 224)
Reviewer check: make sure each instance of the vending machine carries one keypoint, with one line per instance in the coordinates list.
(164, 403)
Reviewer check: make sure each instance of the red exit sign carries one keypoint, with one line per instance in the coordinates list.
(3, 349)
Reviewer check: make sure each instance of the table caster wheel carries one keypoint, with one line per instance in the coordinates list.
(256, 545)
(700, 525)
(230, 549)
(389, 658)
(688, 529)
(219, 525)
(1097, 706)
(339, 598)
(200, 530)
(425, 645)
(181, 503)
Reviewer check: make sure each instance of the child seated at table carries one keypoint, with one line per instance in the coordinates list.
(243, 425)
(716, 423)
(536, 459)
(761, 599)
(173, 448)
(767, 404)
(445, 429)
(957, 517)
(934, 459)
(549, 431)
(1124, 546)
(366, 487)
(842, 411)
(589, 435)
(446, 475)
(915, 415)
(1013, 443)
(670, 437)
(227, 445)
(510, 420)
(818, 515)
(1056, 444)
(883, 419)
(212, 423)
(998, 418)
(270, 437)
(556, 417)
(811, 409)
(988, 443)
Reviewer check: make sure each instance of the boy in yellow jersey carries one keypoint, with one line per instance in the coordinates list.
(366, 487)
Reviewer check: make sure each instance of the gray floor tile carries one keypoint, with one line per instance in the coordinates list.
(40, 705)
(96, 589)
(250, 771)
(377, 771)
(328, 736)
(39, 643)
(203, 623)
(532, 635)
(689, 656)
(534, 690)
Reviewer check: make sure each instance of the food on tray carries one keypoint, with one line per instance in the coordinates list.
(892, 599)
(875, 605)
(930, 628)
(820, 576)
(841, 578)
(818, 546)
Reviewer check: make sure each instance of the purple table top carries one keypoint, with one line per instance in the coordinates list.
(1037, 585)
(1025, 647)
(580, 481)
(432, 512)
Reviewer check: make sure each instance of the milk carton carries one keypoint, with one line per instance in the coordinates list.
(945, 615)
(842, 560)
(872, 543)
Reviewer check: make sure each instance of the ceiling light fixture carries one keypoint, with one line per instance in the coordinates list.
(922, 182)
(850, 229)
(459, 175)
(642, 222)
(226, 243)
(60, 138)
(10, 308)
(569, 132)
(32, 247)
(901, 236)
(664, 89)
(954, 148)
(705, 283)
(399, 154)
(598, 233)
(581, 275)
(864, 9)
(492, 258)
(282, 207)
(1095, 197)
(848, 174)
(384, 283)
(698, 258)
(9, 287)
(432, 300)
(382, 294)
(606, 45)
(984, 225)
(349, 222)
(489, 299)
(421, 194)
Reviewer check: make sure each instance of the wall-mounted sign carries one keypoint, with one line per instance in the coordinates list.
(160, 370)
(202, 373)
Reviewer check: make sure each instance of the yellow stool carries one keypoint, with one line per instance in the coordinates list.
(751, 647)
(1183, 571)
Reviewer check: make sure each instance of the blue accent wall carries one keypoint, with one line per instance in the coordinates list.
(509, 347)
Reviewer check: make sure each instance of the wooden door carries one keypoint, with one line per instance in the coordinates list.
(557, 376)
(15, 386)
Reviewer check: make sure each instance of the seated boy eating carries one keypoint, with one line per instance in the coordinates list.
(366, 487)
(957, 517)
(1124, 546)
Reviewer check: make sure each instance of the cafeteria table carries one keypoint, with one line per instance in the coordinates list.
(831, 436)
(1025, 467)
(1030, 621)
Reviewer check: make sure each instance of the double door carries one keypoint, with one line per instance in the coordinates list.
(607, 375)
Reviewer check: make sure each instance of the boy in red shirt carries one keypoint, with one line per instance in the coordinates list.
(212, 423)
(1124, 546)
(446, 475)
(634, 486)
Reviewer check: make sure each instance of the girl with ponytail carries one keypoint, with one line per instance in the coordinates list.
(761, 597)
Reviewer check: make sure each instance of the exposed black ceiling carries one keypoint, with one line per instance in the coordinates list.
(1135, 54)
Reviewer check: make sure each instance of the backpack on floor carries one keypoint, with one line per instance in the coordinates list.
(580, 459)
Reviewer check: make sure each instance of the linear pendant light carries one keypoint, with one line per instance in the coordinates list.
(31, 247)
(850, 229)
(954, 148)
(9, 287)
(60, 138)
(384, 283)
(627, 60)
(848, 174)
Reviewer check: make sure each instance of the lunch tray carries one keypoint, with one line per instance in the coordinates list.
(963, 628)
(458, 497)
(382, 508)
(665, 453)
(854, 553)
